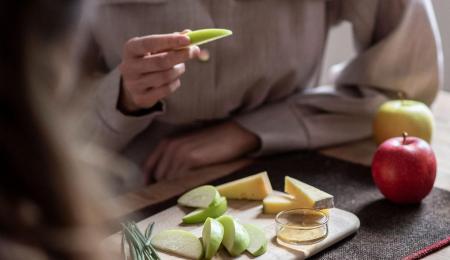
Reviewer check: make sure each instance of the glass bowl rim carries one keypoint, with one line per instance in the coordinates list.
(296, 226)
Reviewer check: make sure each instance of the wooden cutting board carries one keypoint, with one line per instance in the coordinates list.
(341, 224)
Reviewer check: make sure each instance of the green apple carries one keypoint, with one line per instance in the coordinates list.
(212, 236)
(200, 197)
(178, 242)
(213, 211)
(398, 116)
(235, 238)
(258, 240)
(203, 36)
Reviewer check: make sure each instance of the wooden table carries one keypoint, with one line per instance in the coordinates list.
(359, 152)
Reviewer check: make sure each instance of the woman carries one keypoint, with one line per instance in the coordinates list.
(258, 93)
(48, 208)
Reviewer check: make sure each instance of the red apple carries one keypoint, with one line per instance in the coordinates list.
(404, 169)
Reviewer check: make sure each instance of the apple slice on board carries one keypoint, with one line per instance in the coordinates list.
(212, 236)
(258, 240)
(200, 197)
(203, 36)
(235, 238)
(178, 242)
(213, 211)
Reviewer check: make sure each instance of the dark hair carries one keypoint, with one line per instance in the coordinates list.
(40, 197)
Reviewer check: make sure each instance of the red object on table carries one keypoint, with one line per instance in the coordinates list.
(404, 169)
(429, 249)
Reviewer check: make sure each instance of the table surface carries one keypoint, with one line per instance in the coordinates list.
(359, 152)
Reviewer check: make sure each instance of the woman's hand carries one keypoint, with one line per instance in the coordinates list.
(151, 67)
(221, 143)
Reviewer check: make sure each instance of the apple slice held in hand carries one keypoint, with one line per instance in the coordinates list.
(215, 210)
(212, 236)
(258, 240)
(203, 36)
(200, 197)
(235, 238)
(178, 242)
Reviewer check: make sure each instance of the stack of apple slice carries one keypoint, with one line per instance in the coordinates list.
(226, 230)
(208, 201)
(235, 237)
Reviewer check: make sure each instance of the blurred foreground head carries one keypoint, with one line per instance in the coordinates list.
(47, 206)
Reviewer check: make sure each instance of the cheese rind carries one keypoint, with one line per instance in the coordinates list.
(307, 195)
(277, 202)
(255, 187)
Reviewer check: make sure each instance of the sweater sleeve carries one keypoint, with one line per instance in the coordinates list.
(113, 128)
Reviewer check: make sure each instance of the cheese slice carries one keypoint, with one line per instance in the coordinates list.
(307, 195)
(279, 201)
(255, 187)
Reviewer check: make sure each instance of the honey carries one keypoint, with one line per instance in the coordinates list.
(301, 226)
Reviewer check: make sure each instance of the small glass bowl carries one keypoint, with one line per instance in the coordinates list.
(301, 226)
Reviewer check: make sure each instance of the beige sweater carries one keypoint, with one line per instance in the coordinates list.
(265, 76)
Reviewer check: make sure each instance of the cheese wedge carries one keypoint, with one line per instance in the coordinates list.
(275, 203)
(306, 195)
(255, 187)
(279, 201)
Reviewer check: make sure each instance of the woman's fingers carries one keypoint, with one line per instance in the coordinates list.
(164, 91)
(153, 95)
(166, 160)
(179, 164)
(166, 60)
(185, 31)
(152, 161)
(156, 79)
(152, 61)
(179, 156)
(141, 46)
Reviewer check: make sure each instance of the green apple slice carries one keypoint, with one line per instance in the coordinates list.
(212, 236)
(213, 211)
(179, 242)
(235, 238)
(203, 36)
(258, 240)
(200, 197)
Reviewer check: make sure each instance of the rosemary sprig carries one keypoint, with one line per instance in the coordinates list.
(139, 244)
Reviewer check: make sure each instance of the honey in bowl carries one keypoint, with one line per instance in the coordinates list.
(301, 226)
